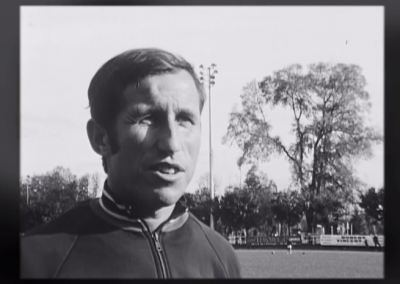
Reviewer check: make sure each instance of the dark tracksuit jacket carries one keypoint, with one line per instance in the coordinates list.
(96, 239)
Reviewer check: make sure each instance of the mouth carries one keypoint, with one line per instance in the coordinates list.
(166, 168)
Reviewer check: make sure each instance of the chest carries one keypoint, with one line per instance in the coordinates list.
(141, 255)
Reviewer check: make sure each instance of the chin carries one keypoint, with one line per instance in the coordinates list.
(169, 195)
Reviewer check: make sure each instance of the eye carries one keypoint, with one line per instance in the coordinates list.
(148, 120)
(185, 120)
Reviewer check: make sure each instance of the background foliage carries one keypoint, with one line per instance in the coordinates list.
(51, 194)
(328, 105)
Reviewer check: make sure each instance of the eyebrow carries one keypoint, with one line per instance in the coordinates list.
(188, 112)
(143, 108)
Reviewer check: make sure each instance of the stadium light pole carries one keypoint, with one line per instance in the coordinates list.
(240, 172)
(210, 78)
(28, 181)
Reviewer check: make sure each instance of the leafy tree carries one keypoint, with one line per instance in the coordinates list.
(331, 207)
(257, 181)
(373, 204)
(236, 209)
(328, 105)
(360, 224)
(288, 207)
(261, 190)
(88, 186)
(200, 204)
(50, 195)
(249, 206)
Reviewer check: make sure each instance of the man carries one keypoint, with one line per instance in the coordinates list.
(145, 107)
(376, 241)
(289, 246)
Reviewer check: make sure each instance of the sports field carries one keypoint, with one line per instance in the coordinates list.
(257, 263)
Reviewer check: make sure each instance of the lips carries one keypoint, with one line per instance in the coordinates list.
(166, 168)
(166, 172)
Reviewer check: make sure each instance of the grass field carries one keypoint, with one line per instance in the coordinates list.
(261, 263)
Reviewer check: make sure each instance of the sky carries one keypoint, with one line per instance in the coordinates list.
(63, 47)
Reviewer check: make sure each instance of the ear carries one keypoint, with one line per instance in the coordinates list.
(98, 138)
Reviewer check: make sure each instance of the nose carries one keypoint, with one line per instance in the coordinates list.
(169, 141)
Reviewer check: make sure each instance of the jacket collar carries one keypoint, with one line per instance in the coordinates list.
(122, 212)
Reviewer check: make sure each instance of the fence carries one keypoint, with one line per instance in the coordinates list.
(263, 240)
(318, 240)
(311, 240)
(350, 240)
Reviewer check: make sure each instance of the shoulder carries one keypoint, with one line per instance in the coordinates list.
(214, 237)
(44, 249)
(220, 245)
(79, 219)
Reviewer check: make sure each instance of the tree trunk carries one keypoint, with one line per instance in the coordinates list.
(310, 219)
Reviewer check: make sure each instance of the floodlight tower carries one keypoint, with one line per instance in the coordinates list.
(28, 182)
(210, 79)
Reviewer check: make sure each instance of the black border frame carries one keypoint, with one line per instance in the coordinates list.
(10, 122)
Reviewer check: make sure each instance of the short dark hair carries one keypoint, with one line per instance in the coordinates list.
(130, 67)
(133, 66)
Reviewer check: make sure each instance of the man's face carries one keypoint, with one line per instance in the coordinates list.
(158, 134)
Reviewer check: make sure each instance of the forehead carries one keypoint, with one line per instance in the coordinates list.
(177, 88)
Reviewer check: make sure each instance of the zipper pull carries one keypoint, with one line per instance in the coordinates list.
(157, 242)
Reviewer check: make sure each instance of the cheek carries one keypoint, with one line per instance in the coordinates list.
(132, 149)
(193, 147)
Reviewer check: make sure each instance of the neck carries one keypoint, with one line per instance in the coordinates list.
(153, 215)
(159, 216)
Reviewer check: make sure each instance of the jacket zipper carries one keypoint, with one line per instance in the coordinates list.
(159, 252)
(157, 244)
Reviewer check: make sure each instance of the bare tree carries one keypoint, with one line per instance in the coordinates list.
(204, 182)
